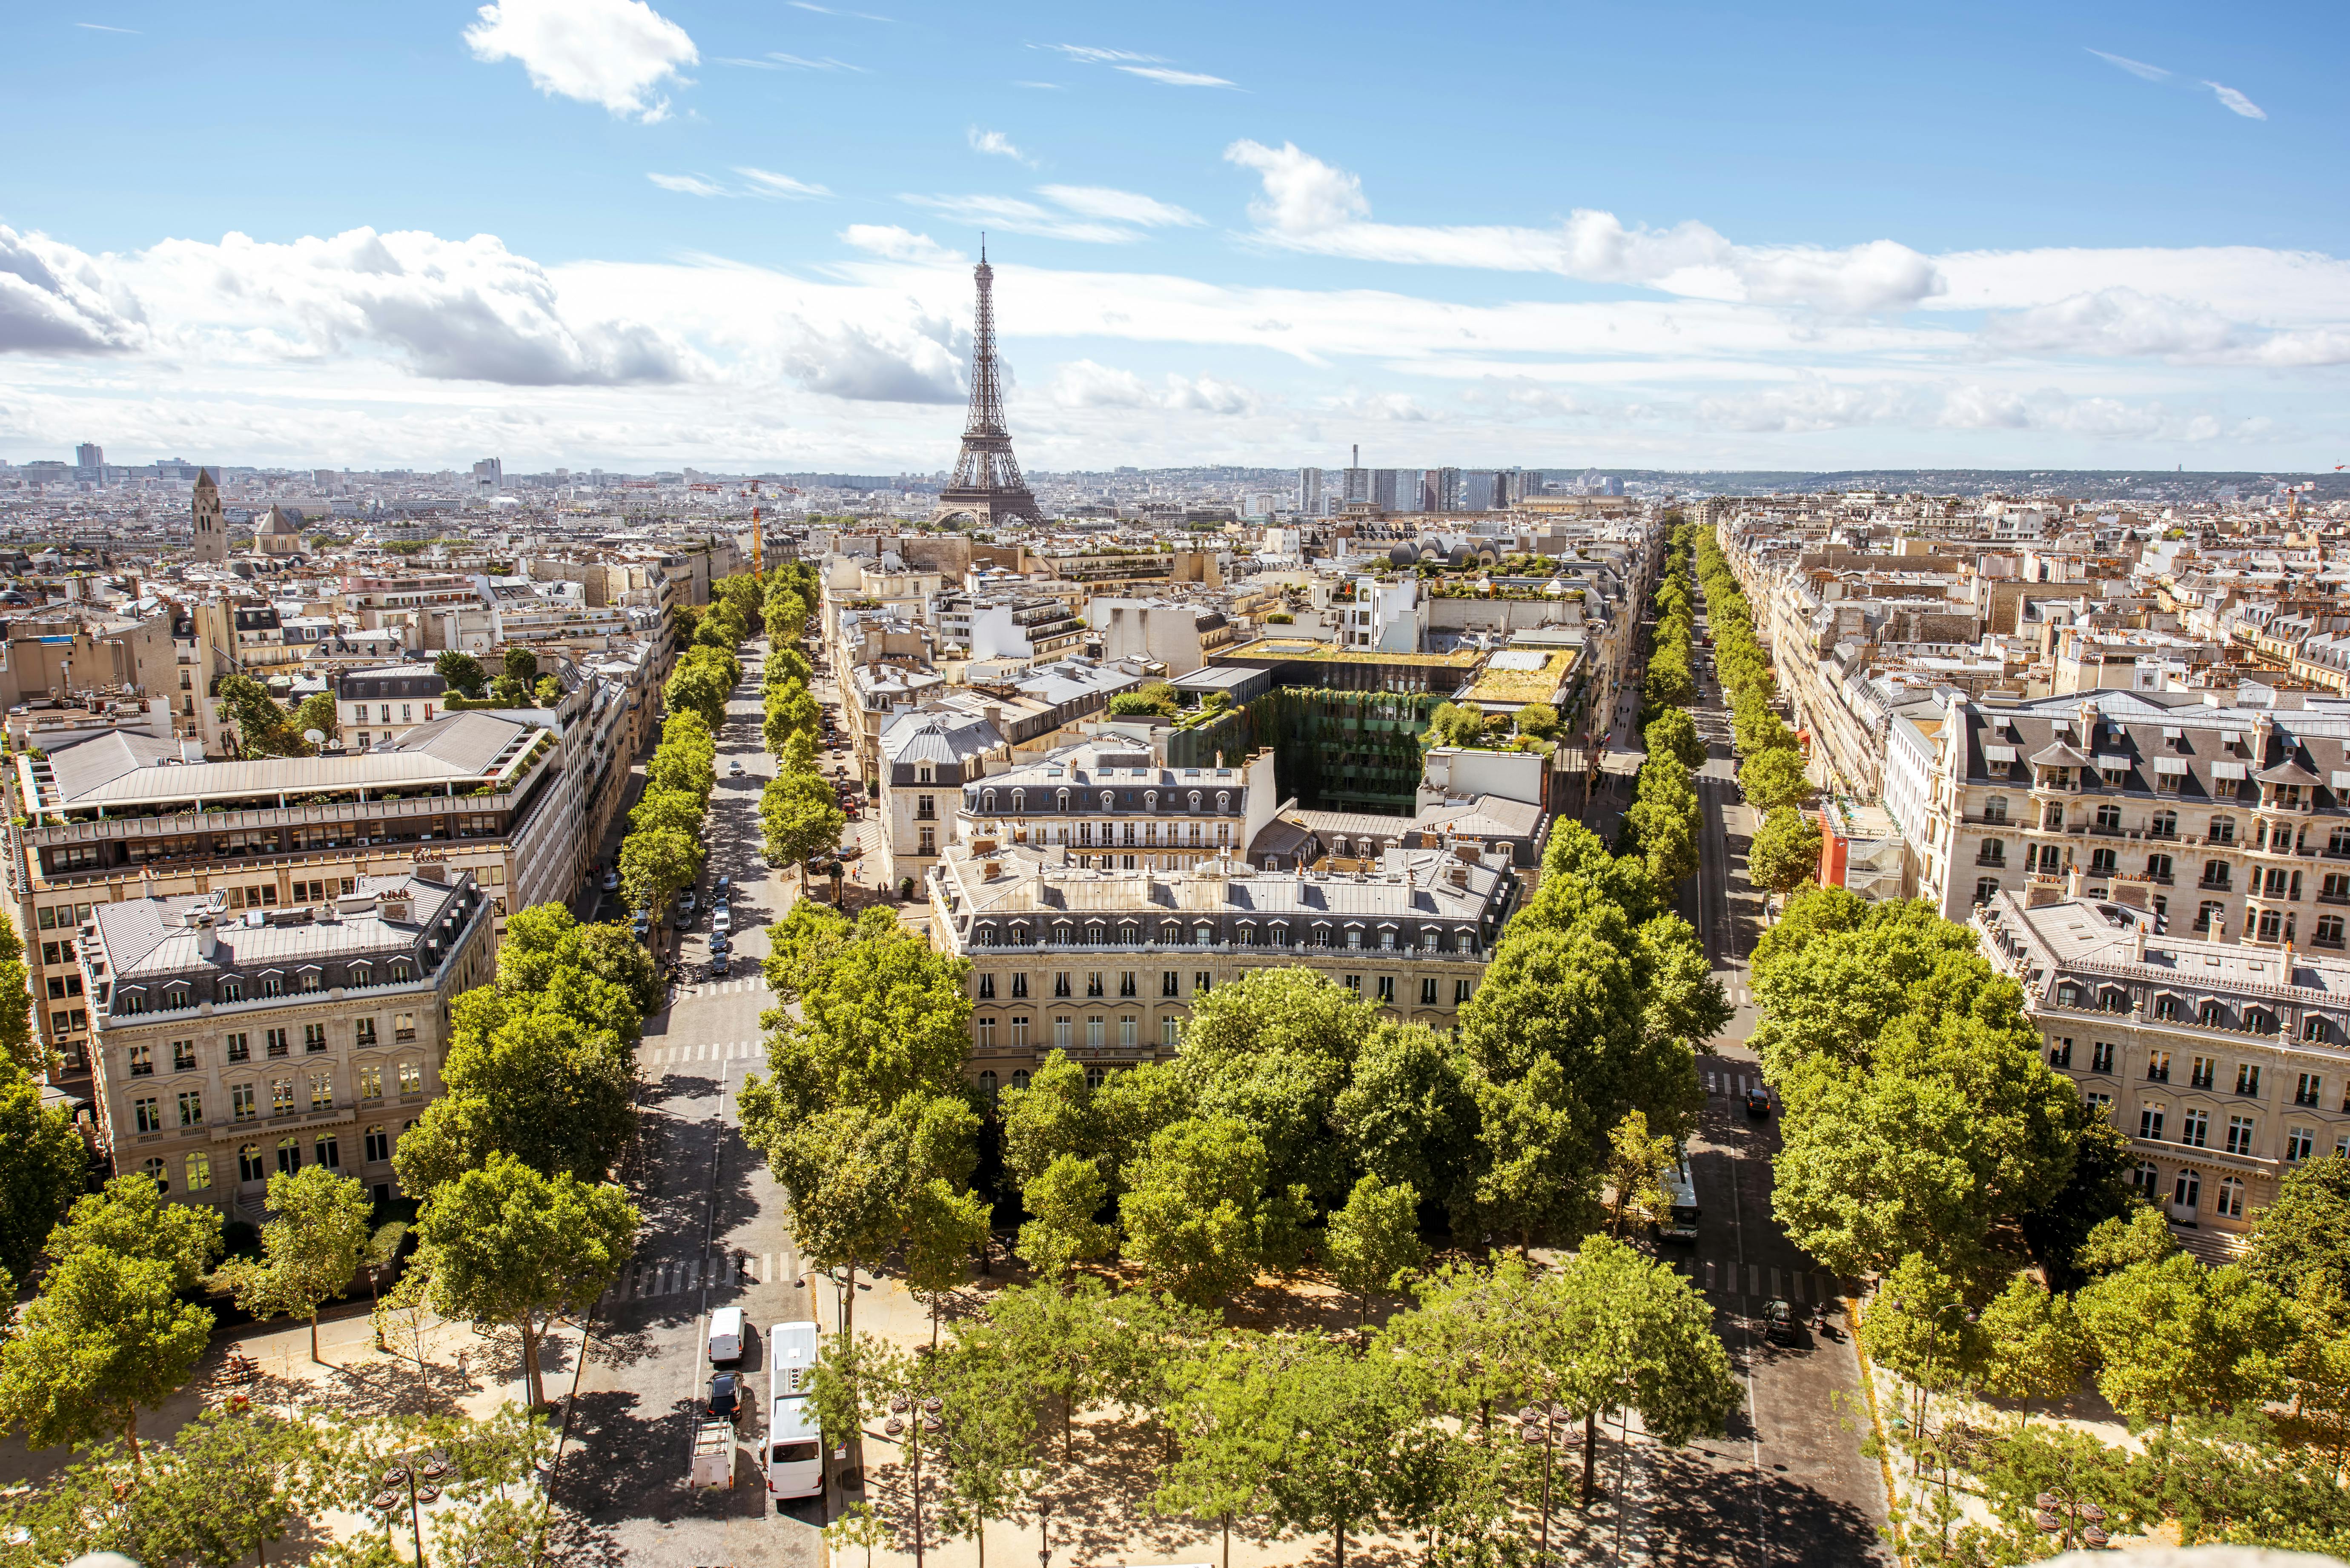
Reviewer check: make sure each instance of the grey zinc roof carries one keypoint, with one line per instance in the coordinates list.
(121, 769)
(934, 736)
(1486, 816)
(1411, 884)
(148, 939)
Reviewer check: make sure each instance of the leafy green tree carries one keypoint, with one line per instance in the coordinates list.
(1407, 1115)
(504, 1243)
(521, 664)
(1155, 699)
(1451, 725)
(508, 691)
(315, 712)
(463, 673)
(1057, 1341)
(888, 1018)
(687, 758)
(537, 1084)
(799, 817)
(1785, 853)
(1539, 720)
(1537, 1171)
(1224, 1449)
(2033, 1347)
(2306, 1230)
(2174, 1337)
(1050, 1120)
(670, 809)
(20, 1045)
(2140, 1236)
(1200, 1221)
(1627, 1333)
(260, 724)
(1373, 1241)
(310, 1249)
(1338, 1425)
(656, 867)
(1062, 1199)
(945, 1225)
(790, 711)
(1662, 821)
(132, 1218)
(1635, 1175)
(984, 1455)
(1773, 780)
(43, 1165)
(1272, 1050)
(1673, 733)
(1918, 1327)
(107, 1335)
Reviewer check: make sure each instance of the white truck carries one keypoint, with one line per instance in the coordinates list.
(794, 1436)
(713, 1453)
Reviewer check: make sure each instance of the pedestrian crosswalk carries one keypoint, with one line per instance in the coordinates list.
(756, 981)
(1733, 1086)
(667, 1276)
(1728, 1277)
(705, 1051)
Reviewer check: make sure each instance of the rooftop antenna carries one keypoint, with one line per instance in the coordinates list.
(982, 245)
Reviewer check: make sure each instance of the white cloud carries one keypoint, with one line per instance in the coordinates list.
(1094, 56)
(1310, 205)
(2112, 321)
(1083, 384)
(2237, 103)
(1811, 403)
(607, 52)
(1169, 77)
(856, 363)
(53, 300)
(689, 184)
(2095, 418)
(828, 11)
(2135, 67)
(995, 144)
(102, 27)
(899, 244)
(782, 187)
(1119, 206)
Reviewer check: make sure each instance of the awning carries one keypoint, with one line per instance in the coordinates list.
(2000, 753)
(2227, 770)
(2113, 765)
(2173, 765)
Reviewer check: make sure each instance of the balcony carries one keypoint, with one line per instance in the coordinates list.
(2214, 884)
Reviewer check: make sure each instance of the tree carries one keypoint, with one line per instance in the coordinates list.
(1636, 1163)
(1373, 1241)
(656, 867)
(521, 664)
(1050, 1119)
(1199, 1220)
(2034, 1345)
(673, 809)
(1272, 1050)
(2306, 1230)
(2140, 1236)
(43, 1164)
(1224, 1449)
(790, 711)
(1773, 780)
(1917, 1327)
(260, 724)
(888, 1017)
(1785, 853)
(107, 1335)
(1062, 1199)
(315, 712)
(1630, 1333)
(507, 1244)
(1673, 733)
(1663, 819)
(310, 1249)
(944, 1226)
(233, 1477)
(1337, 1424)
(2174, 1337)
(508, 692)
(1407, 1115)
(20, 1045)
(1453, 725)
(132, 1220)
(1535, 1142)
(799, 817)
(463, 672)
(1156, 699)
(535, 1083)
(1539, 720)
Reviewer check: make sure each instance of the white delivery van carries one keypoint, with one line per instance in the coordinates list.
(726, 1335)
(794, 1436)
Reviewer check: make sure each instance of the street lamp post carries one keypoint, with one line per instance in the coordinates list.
(920, 1420)
(403, 1474)
(1547, 1424)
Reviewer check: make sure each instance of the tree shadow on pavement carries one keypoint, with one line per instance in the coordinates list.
(1704, 1514)
(622, 1460)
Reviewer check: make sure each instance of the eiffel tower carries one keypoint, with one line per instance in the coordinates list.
(987, 486)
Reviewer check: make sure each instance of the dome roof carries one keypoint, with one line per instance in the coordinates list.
(1403, 556)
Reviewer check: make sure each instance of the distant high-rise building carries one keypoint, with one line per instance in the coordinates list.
(1448, 490)
(1357, 485)
(489, 476)
(210, 528)
(1309, 491)
(89, 454)
(1386, 485)
(1479, 491)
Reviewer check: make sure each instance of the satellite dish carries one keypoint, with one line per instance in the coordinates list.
(316, 737)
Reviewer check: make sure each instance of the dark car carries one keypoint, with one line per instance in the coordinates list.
(727, 1399)
(720, 965)
(1778, 1323)
(1758, 1103)
(721, 943)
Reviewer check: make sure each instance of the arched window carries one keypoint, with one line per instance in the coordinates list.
(2215, 873)
(2231, 1204)
(1992, 853)
(1061, 801)
(1151, 800)
(1129, 934)
(1019, 800)
(248, 1163)
(2158, 867)
(1223, 800)
(2147, 1180)
(987, 801)
(289, 1155)
(2212, 1016)
(1995, 808)
(1986, 889)
(1020, 1077)
(2163, 825)
(1108, 799)
(158, 1172)
(1195, 800)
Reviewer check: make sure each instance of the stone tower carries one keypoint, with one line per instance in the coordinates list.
(211, 531)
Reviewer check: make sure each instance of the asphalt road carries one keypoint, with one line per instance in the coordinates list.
(714, 1235)
(1788, 1483)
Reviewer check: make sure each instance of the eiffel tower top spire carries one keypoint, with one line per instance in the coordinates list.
(987, 482)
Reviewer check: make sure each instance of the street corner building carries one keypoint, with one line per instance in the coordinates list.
(229, 1044)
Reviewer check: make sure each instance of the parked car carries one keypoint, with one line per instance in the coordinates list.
(720, 965)
(726, 1335)
(725, 1397)
(722, 922)
(1758, 1103)
(640, 925)
(722, 890)
(611, 881)
(685, 905)
(1778, 1323)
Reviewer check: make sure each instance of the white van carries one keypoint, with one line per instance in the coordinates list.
(794, 1438)
(726, 1335)
(794, 1450)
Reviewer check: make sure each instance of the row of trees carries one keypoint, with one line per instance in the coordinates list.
(1785, 853)
(799, 817)
(1662, 823)
(1306, 1432)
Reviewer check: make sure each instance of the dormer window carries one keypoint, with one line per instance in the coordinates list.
(922, 774)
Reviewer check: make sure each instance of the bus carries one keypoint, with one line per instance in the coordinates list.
(794, 1438)
(1680, 1223)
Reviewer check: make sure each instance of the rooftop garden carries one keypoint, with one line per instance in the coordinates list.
(1524, 685)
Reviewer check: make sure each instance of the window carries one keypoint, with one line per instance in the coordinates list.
(231, 991)
(987, 988)
(1019, 1043)
(273, 985)
(1387, 988)
(2224, 830)
(1129, 1030)
(157, 1172)
(1992, 853)
(2260, 1020)
(2308, 1089)
(2329, 932)
(1427, 992)
(1061, 983)
(2231, 1201)
(200, 1172)
(412, 1077)
(2060, 1051)
(1995, 808)
(1463, 989)
(2157, 1067)
(314, 1038)
(275, 1039)
(241, 1106)
(2149, 1123)
(183, 1055)
(985, 1027)
(248, 1163)
(927, 841)
(2248, 1078)
(2104, 862)
(147, 1116)
(404, 1024)
(1094, 1032)
(2315, 1028)
(2215, 873)
(1986, 889)
(2101, 1105)
(378, 1144)
(2211, 916)
(1061, 1028)
(2188, 1191)
(2162, 824)
(1200, 981)
(1169, 984)
(2109, 819)
(1126, 983)
(1094, 982)
(1019, 986)
(2194, 1128)
(2300, 1143)
(142, 1061)
(2211, 1016)
(2198, 1072)
(371, 1081)
(192, 1108)
(289, 1155)
(2239, 1135)
(2101, 1056)
(1354, 983)
(322, 1091)
(1171, 1033)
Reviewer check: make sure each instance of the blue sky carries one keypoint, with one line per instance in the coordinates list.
(599, 232)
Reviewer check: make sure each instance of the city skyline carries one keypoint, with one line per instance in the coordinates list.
(2098, 254)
